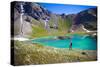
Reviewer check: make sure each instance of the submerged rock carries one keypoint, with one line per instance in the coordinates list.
(62, 37)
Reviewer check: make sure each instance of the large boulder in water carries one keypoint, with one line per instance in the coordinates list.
(61, 37)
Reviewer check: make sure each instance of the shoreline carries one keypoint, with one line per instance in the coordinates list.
(27, 53)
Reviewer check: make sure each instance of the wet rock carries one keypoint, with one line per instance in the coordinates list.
(61, 37)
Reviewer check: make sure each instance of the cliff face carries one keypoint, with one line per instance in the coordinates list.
(32, 9)
(24, 14)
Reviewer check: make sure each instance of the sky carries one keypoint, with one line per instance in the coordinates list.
(64, 8)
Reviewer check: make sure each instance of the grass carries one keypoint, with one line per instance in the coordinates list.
(64, 26)
(27, 53)
(38, 29)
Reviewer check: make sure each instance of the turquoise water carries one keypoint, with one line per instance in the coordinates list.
(79, 42)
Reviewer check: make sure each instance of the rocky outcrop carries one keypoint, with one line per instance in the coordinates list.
(88, 18)
(23, 28)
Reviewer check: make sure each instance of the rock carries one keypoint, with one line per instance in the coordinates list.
(84, 53)
(61, 37)
(23, 28)
(26, 29)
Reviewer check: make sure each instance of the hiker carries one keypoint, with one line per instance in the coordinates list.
(70, 46)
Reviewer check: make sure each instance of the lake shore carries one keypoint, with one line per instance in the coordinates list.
(28, 53)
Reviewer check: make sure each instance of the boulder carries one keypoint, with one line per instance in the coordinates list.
(61, 37)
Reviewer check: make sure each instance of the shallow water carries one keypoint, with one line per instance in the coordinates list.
(78, 41)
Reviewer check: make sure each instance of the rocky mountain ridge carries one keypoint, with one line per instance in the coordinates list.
(27, 15)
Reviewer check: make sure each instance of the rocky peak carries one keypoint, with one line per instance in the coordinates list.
(88, 18)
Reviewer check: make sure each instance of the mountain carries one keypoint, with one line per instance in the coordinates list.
(25, 14)
(32, 20)
(88, 18)
(32, 9)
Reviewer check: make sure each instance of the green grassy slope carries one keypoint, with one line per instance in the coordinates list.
(27, 53)
(38, 29)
